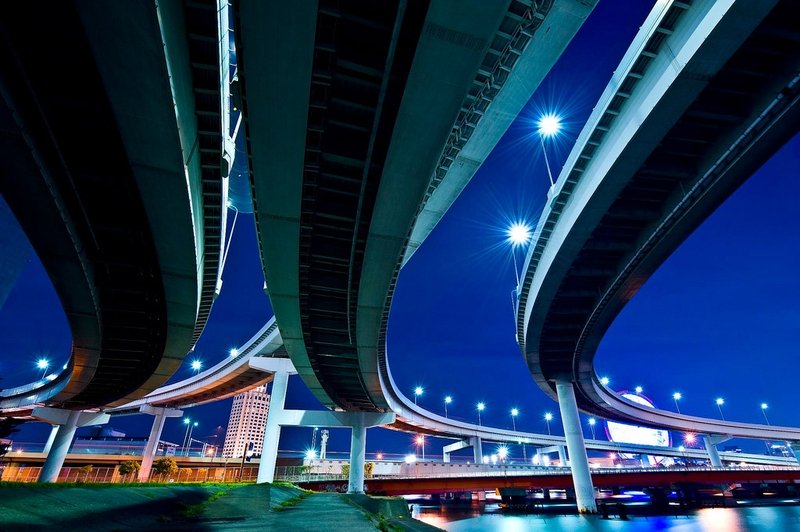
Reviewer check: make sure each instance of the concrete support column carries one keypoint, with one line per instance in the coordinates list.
(49, 443)
(791, 447)
(358, 449)
(711, 449)
(562, 456)
(160, 415)
(58, 450)
(477, 449)
(68, 422)
(579, 462)
(272, 432)
(445, 457)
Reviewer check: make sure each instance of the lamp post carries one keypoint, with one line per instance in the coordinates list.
(676, 397)
(189, 442)
(43, 364)
(421, 443)
(720, 401)
(518, 235)
(187, 422)
(547, 418)
(417, 392)
(197, 365)
(447, 401)
(548, 125)
(764, 407)
(481, 406)
(592, 422)
(514, 414)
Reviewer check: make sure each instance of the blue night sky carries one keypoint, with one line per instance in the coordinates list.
(718, 319)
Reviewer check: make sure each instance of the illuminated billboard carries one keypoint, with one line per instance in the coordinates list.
(622, 433)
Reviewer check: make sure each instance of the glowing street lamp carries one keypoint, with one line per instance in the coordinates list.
(592, 422)
(547, 418)
(548, 125)
(43, 364)
(481, 407)
(311, 454)
(233, 352)
(502, 453)
(604, 381)
(421, 443)
(417, 392)
(189, 441)
(197, 365)
(720, 401)
(764, 407)
(639, 389)
(187, 422)
(514, 414)
(519, 234)
(676, 397)
(447, 401)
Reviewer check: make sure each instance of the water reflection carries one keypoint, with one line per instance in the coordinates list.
(480, 517)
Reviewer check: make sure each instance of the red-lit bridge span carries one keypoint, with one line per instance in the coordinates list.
(562, 479)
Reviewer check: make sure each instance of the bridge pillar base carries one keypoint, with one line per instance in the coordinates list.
(49, 443)
(477, 449)
(358, 448)
(562, 456)
(67, 422)
(272, 432)
(160, 415)
(711, 449)
(579, 462)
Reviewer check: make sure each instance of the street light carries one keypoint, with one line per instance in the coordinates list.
(43, 364)
(421, 443)
(604, 381)
(720, 401)
(417, 392)
(197, 364)
(639, 389)
(764, 411)
(502, 453)
(481, 407)
(187, 422)
(549, 125)
(676, 397)
(189, 441)
(447, 401)
(514, 413)
(592, 422)
(519, 234)
(547, 418)
(233, 352)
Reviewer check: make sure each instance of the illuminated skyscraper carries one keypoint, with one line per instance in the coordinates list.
(246, 423)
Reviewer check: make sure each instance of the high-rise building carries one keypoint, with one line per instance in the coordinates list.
(246, 424)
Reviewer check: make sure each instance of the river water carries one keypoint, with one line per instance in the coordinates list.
(491, 517)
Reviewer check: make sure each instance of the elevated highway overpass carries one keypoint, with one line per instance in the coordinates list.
(706, 93)
(377, 121)
(115, 137)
